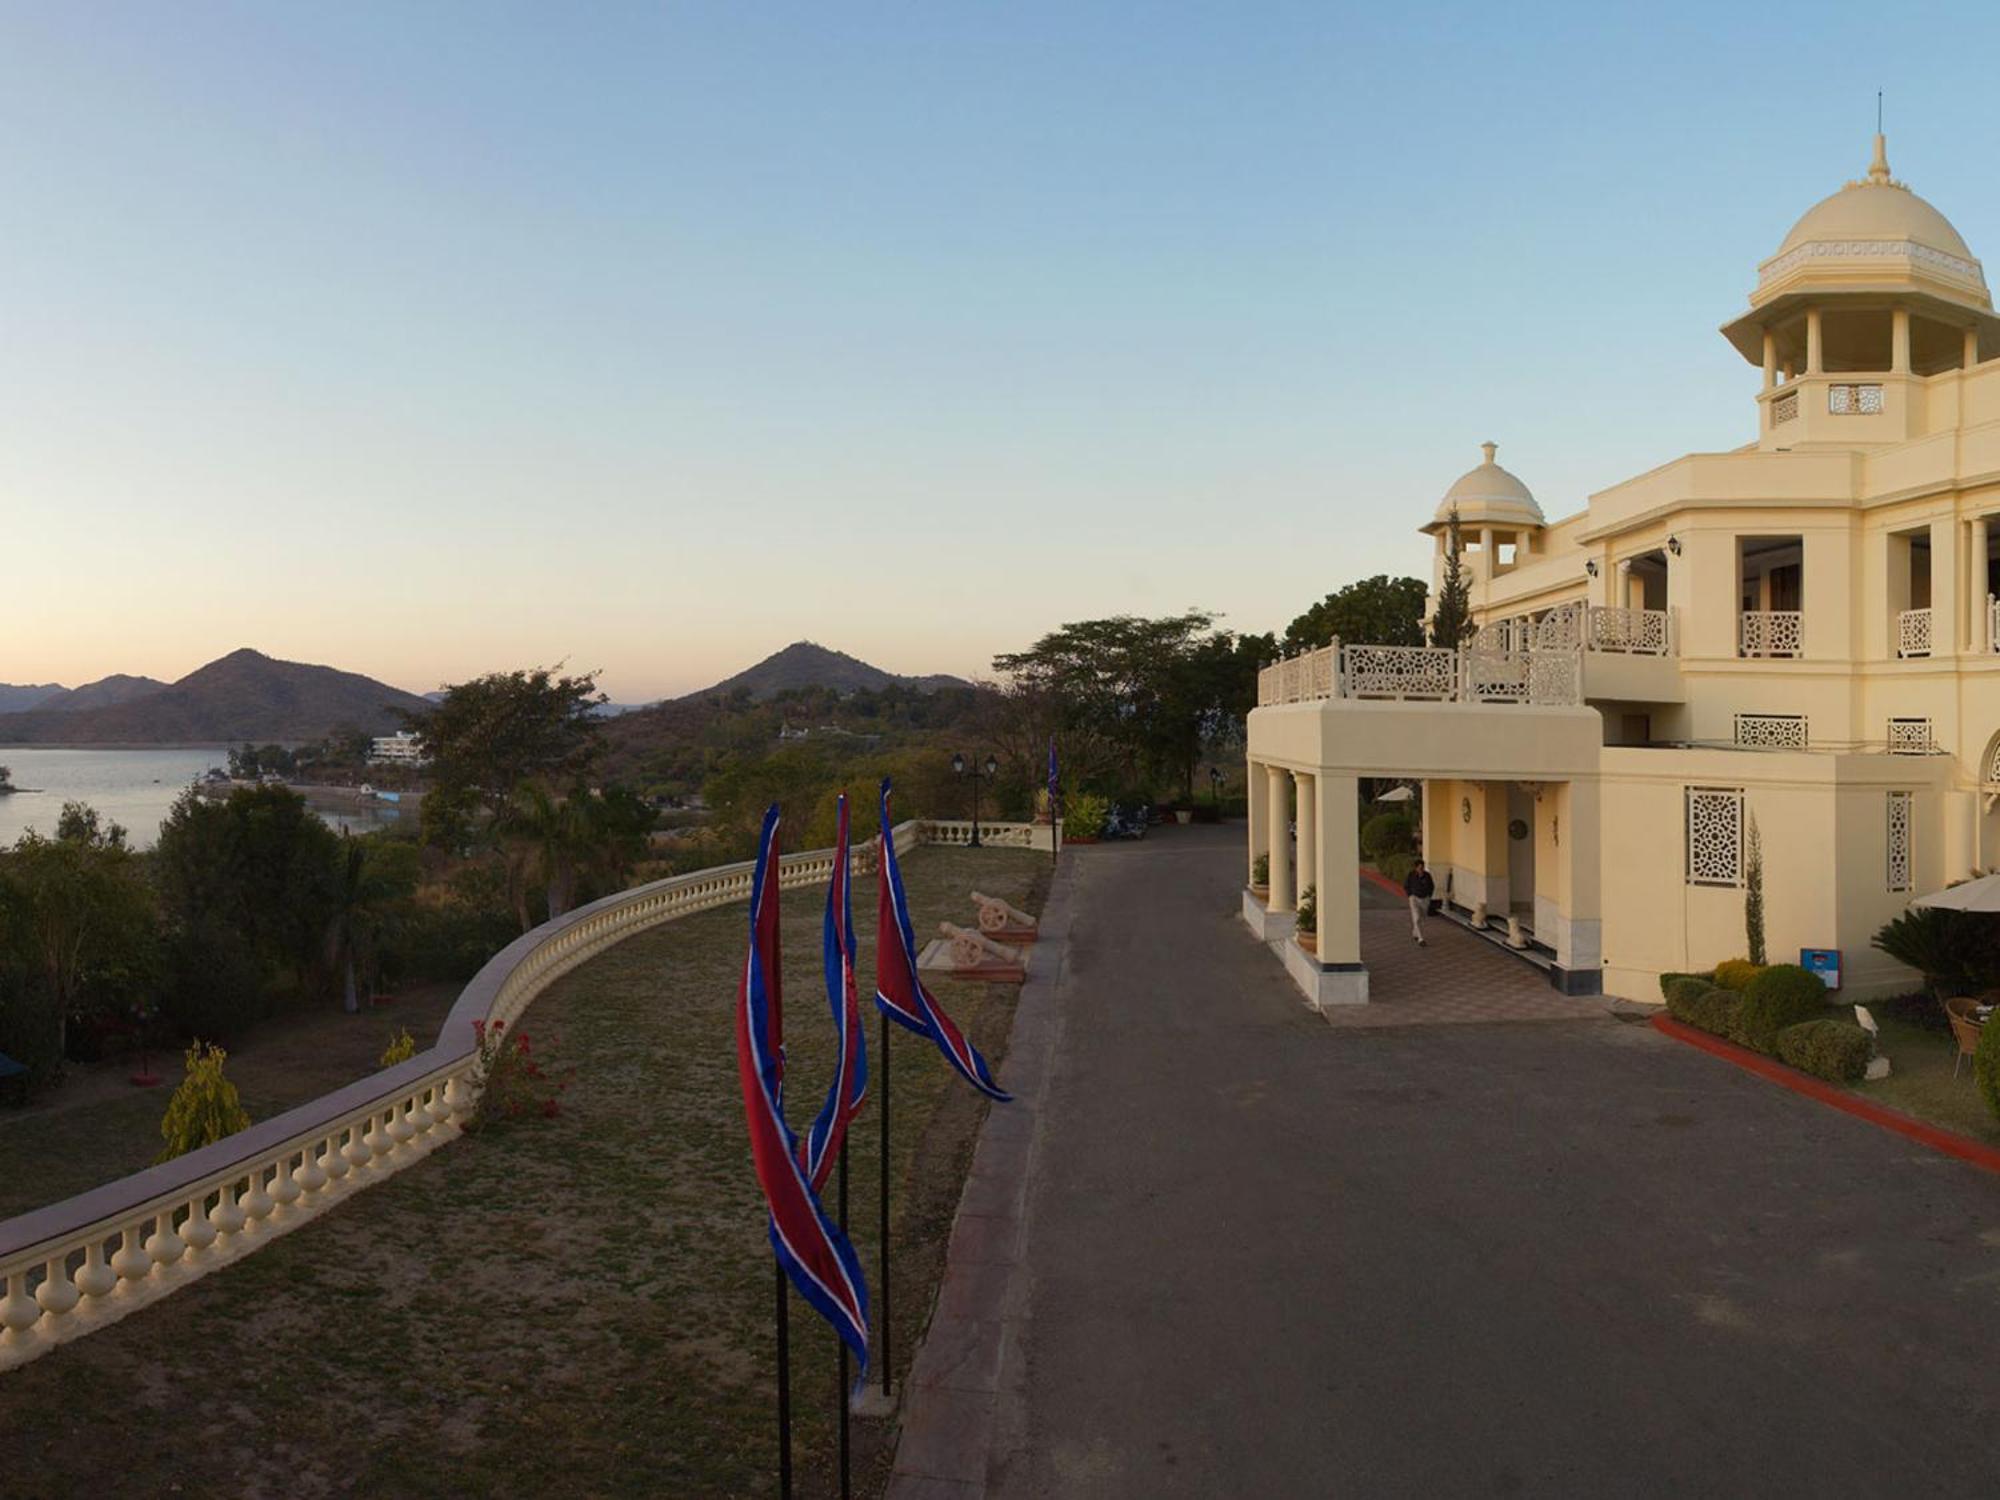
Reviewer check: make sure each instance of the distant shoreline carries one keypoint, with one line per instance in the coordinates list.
(223, 745)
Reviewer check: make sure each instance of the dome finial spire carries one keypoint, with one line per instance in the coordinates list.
(1878, 169)
(1489, 449)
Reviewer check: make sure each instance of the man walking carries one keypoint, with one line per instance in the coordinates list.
(1418, 885)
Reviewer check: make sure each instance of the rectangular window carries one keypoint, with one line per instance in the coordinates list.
(1854, 400)
(1899, 841)
(1714, 835)
(1771, 731)
(1909, 736)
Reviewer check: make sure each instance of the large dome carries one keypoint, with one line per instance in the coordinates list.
(1874, 233)
(1489, 496)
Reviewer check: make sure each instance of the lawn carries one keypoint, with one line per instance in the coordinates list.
(98, 1127)
(575, 1307)
(1920, 1081)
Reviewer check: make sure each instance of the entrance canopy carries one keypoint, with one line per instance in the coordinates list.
(1982, 894)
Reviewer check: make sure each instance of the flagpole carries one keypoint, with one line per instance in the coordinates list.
(840, 1392)
(885, 1206)
(784, 1386)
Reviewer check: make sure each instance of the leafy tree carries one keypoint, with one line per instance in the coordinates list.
(78, 823)
(374, 879)
(1128, 696)
(1378, 611)
(491, 734)
(204, 1109)
(1451, 621)
(1753, 892)
(85, 924)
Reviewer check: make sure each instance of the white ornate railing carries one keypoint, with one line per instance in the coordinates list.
(1913, 633)
(78, 1265)
(958, 833)
(1993, 622)
(1400, 672)
(1771, 632)
(1634, 632)
(1429, 674)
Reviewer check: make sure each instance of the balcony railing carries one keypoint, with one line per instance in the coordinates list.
(1993, 621)
(1771, 633)
(1635, 632)
(1913, 633)
(1424, 674)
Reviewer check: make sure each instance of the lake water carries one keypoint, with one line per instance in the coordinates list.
(133, 787)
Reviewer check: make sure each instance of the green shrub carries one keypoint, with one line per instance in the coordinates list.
(1707, 1007)
(1260, 870)
(204, 1109)
(1669, 978)
(1396, 866)
(1388, 833)
(1084, 814)
(1986, 1066)
(216, 986)
(1837, 1051)
(1954, 951)
(1783, 995)
(1308, 912)
(1736, 973)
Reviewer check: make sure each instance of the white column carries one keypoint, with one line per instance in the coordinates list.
(1981, 635)
(1971, 347)
(1257, 791)
(1487, 559)
(1899, 341)
(1814, 358)
(1947, 569)
(1279, 794)
(1338, 873)
(1624, 599)
(1770, 359)
(1308, 859)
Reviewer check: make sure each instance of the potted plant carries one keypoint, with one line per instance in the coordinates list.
(1306, 927)
(1260, 875)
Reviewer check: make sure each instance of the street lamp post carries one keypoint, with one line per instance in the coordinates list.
(978, 774)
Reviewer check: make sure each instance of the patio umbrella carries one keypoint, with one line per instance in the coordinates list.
(1401, 794)
(1982, 894)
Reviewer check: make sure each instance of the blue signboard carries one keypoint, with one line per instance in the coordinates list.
(1825, 962)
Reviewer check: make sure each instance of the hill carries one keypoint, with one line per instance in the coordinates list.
(805, 664)
(242, 696)
(17, 697)
(106, 692)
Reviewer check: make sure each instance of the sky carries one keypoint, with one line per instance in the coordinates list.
(431, 339)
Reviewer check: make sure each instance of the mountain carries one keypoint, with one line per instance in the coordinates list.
(804, 664)
(119, 687)
(17, 697)
(243, 696)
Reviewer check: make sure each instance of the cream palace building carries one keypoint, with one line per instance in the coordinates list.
(1790, 645)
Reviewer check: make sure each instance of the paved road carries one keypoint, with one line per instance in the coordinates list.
(1560, 1258)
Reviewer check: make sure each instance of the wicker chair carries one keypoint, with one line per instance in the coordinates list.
(1963, 1013)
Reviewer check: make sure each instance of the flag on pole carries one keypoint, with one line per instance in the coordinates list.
(899, 992)
(1054, 780)
(815, 1255)
(843, 995)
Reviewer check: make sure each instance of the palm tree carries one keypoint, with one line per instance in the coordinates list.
(550, 840)
(361, 901)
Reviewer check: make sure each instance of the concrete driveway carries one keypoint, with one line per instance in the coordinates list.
(1273, 1258)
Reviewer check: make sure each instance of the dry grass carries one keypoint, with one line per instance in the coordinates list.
(580, 1307)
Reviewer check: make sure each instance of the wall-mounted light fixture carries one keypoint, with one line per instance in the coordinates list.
(1674, 545)
(1590, 567)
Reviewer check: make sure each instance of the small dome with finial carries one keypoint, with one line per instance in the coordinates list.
(1489, 496)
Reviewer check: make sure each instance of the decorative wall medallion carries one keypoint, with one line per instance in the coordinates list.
(1517, 830)
(1465, 809)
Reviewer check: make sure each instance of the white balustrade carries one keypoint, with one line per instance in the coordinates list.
(1634, 632)
(182, 1219)
(1772, 632)
(1400, 672)
(1913, 633)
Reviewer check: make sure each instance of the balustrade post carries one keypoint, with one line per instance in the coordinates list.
(57, 1294)
(257, 1203)
(310, 1176)
(95, 1278)
(197, 1228)
(131, 1263)
(284, 1190)
(18, 1311)
(165, 1246)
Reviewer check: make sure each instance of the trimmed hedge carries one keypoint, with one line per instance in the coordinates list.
(1736, 973)
(1705, 1006)
(1986, 1066)
(1783, 995)
(1837, 1051)
(1667, 979)
(1388, 833)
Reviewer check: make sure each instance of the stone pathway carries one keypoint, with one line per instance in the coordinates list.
(1253, 1255)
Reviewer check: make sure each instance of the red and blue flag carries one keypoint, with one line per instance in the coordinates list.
(899, 991)
(815, 1255)
(850, 1071)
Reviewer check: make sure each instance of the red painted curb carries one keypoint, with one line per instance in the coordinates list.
(1923, 1133)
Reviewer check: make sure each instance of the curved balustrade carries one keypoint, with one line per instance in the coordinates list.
(78, 1265)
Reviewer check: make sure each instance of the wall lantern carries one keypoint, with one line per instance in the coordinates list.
(1674, 545)
(1590, 567)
